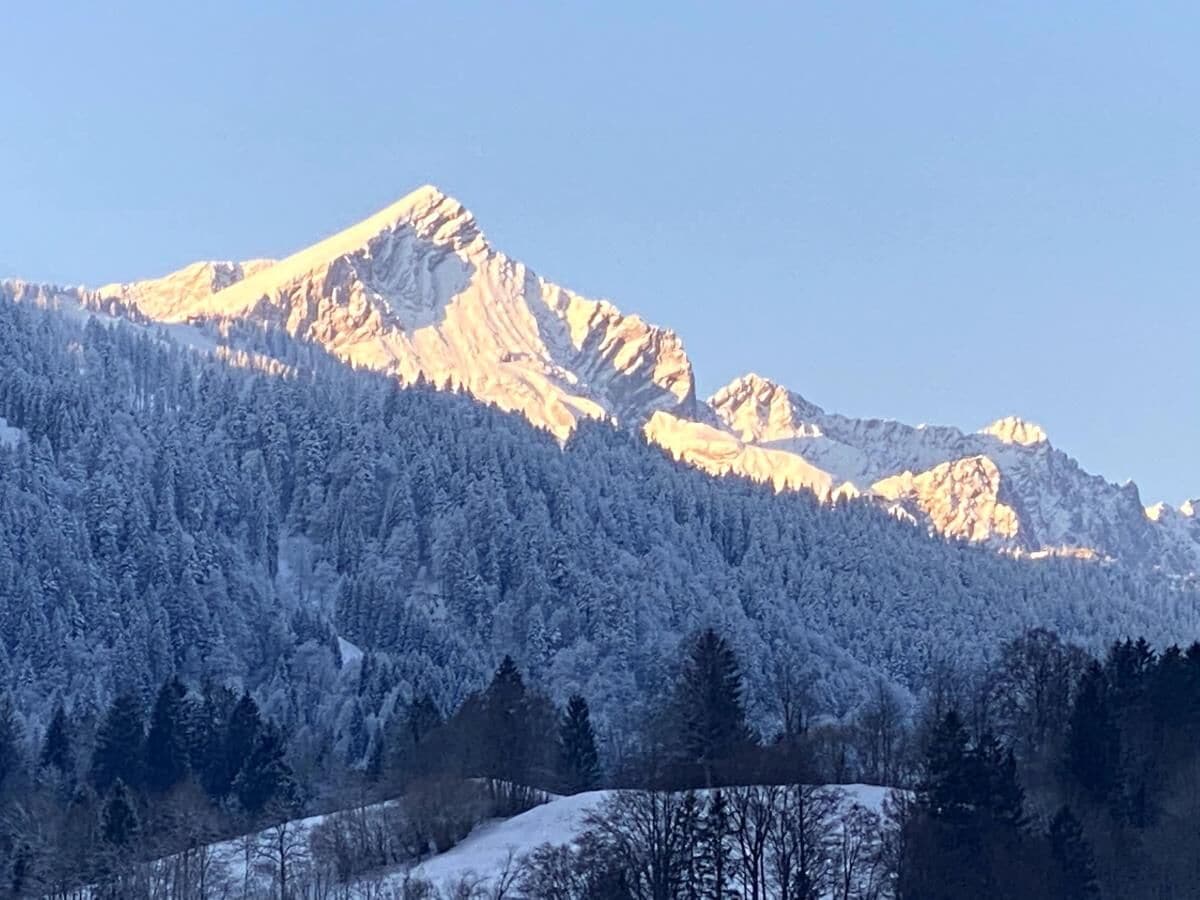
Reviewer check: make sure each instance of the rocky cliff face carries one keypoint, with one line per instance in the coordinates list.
(1006, 486)
(416, 290)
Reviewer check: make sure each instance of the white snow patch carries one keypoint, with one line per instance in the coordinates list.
(350, 652)
(10, 436)
(486, 851)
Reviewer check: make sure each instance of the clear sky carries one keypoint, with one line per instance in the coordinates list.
(941, 212)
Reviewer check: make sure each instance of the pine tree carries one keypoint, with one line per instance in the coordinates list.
(120, 745)
(578, 760)
(708, 703)
(1001, 795)
(241, 736)
(166, 741)
(10, 742)
(119, 822)
(56, 748)
(948, 786)
(1093, 740)
(422, 718)
(1073, 853)
(265, 779)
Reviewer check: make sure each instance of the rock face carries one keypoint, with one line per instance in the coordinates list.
(1006, 486)
(417, 291)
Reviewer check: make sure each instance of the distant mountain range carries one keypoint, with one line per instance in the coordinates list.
(417, 292)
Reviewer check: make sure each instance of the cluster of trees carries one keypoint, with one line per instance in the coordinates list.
(231, 516)
(352, 558)
(94, 797)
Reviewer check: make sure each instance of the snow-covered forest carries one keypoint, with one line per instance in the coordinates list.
(338, 545)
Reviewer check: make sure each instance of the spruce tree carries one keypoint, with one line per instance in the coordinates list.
(166, 741)
(120, 745)
(265, 779)
(56, 748)
(578, 760)
(1001, 796)
(1093, 752)
(241, 736)
(1073, 853)
(708, 704)
(949, 780)
(10, 741)
(119, 822)
(422, 718)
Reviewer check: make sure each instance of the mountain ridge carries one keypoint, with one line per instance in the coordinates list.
(418, 292)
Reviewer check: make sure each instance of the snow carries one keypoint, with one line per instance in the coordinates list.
(9, 435)
(350, 652)
(485, 851)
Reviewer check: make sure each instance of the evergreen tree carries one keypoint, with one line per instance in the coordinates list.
(578, 759)
(166, 741)
(241, 737)
(1071, 850)
(1093, 753)
(10, 742)
(1001, 795)
(119, 751)
(708, 704)
(422, 718)
(265, 779)
(949, 782)
(119, 822)
(56, 748)
(512, 728)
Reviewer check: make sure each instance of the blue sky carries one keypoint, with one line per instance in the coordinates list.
(941, 212)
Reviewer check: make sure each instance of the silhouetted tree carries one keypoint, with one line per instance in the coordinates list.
(1071, 850)
(120, 744)
(578, 759)
(708, 704)
(166, 741)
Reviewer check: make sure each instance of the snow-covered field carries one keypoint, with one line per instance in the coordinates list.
(488, 849)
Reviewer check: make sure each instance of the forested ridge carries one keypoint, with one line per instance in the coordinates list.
(339, 548)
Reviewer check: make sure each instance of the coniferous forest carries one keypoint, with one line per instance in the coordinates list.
(241, 588)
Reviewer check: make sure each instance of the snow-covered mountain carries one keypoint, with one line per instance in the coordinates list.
(1005, 485)
(417, 291)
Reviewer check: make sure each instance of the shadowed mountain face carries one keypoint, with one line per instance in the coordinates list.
(416, 291)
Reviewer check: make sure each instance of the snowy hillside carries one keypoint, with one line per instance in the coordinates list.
(416, 291)
(494, 849)
(492, 855)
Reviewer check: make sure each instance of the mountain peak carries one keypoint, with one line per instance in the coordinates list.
(762, 390)
(1015, 430)
(428, 211)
